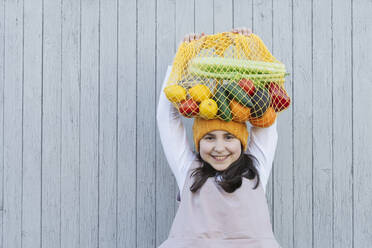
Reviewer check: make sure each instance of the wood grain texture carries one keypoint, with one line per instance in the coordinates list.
(32, 107)
(89, 124)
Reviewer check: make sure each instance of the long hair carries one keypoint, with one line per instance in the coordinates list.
(231, 178)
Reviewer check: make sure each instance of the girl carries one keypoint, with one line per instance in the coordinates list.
(222, 185)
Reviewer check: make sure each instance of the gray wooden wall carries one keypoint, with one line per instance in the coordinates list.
(81, 163)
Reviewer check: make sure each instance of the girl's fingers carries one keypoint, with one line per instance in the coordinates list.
(242, 30)
(192, 36)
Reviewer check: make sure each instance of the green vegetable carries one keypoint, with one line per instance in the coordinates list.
(261, 101)
(223, 103)
(195, 71)
(223, 65)
(238, 94)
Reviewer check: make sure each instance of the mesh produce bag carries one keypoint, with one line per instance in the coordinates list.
(230, 77)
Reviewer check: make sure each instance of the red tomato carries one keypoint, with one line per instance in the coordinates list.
(189, 108)
(247, 85)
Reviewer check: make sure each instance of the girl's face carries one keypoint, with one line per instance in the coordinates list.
(220, 149)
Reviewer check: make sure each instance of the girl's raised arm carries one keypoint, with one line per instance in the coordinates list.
(262, 146)
(173, 137)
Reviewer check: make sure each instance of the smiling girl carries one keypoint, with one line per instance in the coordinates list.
(221, 184)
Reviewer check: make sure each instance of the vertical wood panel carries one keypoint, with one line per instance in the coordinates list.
(13, 121)
(362, 122)
(283, 162)
(342, 126)
(31, 201)
(262, 26)
(51, 123)
(127, 107)
(108, 125)
(89, 117)
(243, 13)
(146, 124)
(204, 17)
(322, 124)
(2, 85)
(302, 124)
(166, 190)
(70, 123)
(223, 11)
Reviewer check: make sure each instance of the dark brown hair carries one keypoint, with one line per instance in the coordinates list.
(231, 178)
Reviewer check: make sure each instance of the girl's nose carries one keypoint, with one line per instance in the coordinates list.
(219, 146)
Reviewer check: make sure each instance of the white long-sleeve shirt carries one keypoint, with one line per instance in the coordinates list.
(262, 144)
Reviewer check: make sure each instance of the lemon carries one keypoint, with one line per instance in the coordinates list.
(175, 93)
(200, 92)
(208, 109)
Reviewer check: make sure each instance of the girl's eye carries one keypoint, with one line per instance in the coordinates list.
(210, 137)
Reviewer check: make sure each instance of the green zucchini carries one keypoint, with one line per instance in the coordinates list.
(238, 94)
(261, 101)
(223, 103)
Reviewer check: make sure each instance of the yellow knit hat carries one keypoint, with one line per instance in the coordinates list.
(202, 126)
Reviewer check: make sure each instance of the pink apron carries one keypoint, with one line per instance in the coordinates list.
(214, 218)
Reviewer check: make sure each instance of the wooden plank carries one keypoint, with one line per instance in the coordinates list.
(51, 123)
(322, 124)
(166, 190)
(283, 162)
(31, 214)
(13, 99)
(204, 17)
(146, 124)
(243, 13)
(223, 16)
(89, 127)
(108, 125)
(342, 126)
(127, 179)
(302, 124)
(262, 26)
(362, 122)
(2, 74)
(70, 122)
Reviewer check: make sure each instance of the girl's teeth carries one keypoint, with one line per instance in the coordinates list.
(220, 158)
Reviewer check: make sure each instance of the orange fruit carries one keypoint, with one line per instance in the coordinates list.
(240, 113)
(266, 120)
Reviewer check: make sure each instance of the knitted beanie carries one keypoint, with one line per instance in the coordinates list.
(202, 126)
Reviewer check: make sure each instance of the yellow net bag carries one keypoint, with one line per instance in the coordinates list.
(228, 76)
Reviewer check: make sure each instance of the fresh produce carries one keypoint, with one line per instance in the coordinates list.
(247, 85)
(200, 92)
(189, 108)
(223, 103)
(235, 69)
(175, 93)
(235, 75)
(238, 94)
(208, 109)
(279, 98)
(218, 64)
(261, 101)
(266, 120)
(240, 113)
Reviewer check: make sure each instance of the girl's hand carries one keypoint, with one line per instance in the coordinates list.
(190, 37)
(243, 30)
